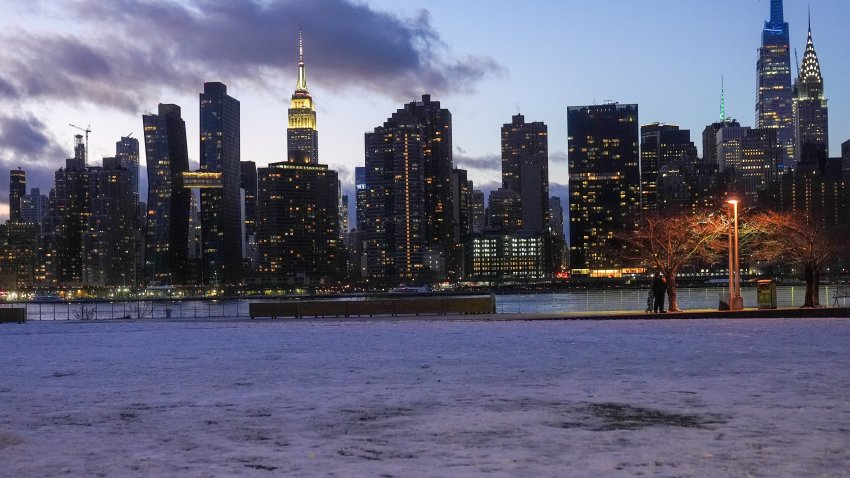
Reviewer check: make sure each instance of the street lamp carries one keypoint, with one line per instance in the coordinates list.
(736, 302)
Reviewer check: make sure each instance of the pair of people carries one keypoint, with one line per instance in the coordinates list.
(658, 290)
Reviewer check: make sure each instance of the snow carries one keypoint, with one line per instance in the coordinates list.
(425, 398)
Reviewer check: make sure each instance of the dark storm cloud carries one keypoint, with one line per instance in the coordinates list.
(137, 48)
(22, 140)
(24, 144)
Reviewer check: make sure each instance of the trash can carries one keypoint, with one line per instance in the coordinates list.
(766, 294)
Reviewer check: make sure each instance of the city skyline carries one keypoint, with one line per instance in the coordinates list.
(440, 68)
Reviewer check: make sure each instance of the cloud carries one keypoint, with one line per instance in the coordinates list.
(124, 53)
(558, 157)
(22, 138)
(489, 162)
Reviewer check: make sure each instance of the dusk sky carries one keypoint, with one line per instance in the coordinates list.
(105, 63)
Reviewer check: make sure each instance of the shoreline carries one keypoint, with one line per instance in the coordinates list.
(704, 314)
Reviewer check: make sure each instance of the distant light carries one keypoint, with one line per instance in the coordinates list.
(732, 201)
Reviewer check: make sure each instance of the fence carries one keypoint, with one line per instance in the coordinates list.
(556, 302)
(611, 300)
(135, 309)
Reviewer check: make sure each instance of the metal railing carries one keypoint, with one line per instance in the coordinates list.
(617, 300)
(134, 309)
(597, 300)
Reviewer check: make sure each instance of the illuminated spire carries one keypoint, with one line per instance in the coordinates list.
(302, 71)
(810, 78)
(776, 15)
(722, 101)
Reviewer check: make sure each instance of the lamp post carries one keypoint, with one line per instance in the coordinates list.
(736, 302)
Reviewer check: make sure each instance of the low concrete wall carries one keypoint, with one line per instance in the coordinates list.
(10, 315)
(426, 305)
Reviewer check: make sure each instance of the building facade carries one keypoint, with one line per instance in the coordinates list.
(667, 156)
(249, 186)
(109, 239)
(604, 166)
(301, 133)
(17, 190)
(127, 153)
(167, 222)
(751, 157)
(774, 108)
(811, 115)
(221, 218)
(525, 170)
(409, 210)
(360, 199)
(299, 237)
(297, 224)
(34, 207)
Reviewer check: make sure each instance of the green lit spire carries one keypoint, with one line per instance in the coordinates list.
(722, 101)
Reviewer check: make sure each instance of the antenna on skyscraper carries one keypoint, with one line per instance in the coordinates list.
(722, 100)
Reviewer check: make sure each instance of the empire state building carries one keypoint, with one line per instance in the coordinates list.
(302, 139)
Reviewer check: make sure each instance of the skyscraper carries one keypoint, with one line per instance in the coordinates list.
(297, 223)
(249, 185)
(360, 199)
(69, 210)
(167, 231)
(343, 216)
(298, 203)
(666, 152)
(109, 239)
(127, 153)
(751, 156)
(221, 228)
(33, 207)
(479, 212)
(811, 118)
(525, 170)
(409, 231)
(845, 159)
(17, 189)
(774, 95)
(604, 168)
(301, 134)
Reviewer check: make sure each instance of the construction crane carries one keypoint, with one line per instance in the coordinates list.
(86, 130)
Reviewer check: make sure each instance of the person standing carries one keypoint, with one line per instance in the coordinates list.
(659, 289)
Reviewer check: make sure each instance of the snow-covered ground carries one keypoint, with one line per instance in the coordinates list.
(426, 398)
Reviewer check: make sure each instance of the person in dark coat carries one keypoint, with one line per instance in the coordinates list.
(659, 289)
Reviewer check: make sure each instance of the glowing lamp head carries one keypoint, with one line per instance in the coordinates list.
(732, 201)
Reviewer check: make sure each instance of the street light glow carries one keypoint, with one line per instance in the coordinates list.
(732, 201)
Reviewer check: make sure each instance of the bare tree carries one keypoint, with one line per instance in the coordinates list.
(667, 243)
(790, 237)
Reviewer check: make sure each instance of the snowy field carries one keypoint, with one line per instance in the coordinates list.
(673, 398)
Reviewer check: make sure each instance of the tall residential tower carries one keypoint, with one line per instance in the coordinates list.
(221, 207)
(167, 231)
(604, 170)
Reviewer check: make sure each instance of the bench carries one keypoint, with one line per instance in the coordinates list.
(840, 292)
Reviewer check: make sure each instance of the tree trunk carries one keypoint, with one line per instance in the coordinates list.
(810, 283)
(816, 288)
(673, 304)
